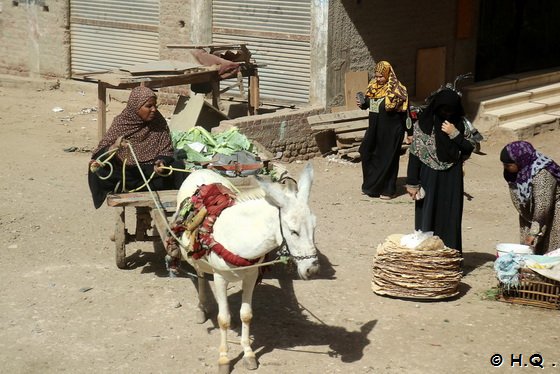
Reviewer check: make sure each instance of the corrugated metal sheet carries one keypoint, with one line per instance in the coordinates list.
(109, 34)
(144, 12)
(277, 33)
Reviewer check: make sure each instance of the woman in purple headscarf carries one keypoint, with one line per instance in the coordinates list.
(142, 126)
(534, 185)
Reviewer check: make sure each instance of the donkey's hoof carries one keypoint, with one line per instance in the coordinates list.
(201, 317)
(250, 363)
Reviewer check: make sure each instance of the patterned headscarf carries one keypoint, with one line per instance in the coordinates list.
(148, 139)
(530, 162)
(394, 92)
(431, 119)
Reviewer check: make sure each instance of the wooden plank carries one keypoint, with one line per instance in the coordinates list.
(337, 117)
(351, 136)
(353, 155)
(336, 109)
(354, 81)
(341, 127)
(161, 66)
(160, 224)
(345, 145)
(168, 198)
(345, 151)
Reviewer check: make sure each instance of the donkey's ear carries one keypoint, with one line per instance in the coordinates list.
(274, 193)
(305, 181)
(290, 185)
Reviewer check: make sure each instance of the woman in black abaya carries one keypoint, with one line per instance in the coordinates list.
(141, 125)
(435, 172)
(387, 101)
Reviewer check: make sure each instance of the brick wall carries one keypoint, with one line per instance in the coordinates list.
(34, 38)
(286, 131)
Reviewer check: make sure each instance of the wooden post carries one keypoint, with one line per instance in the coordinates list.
(215, 92)
(254, 93)
(101, 110)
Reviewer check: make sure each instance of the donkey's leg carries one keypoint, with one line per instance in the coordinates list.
(224, 321)
(246, 315)
(202, 288)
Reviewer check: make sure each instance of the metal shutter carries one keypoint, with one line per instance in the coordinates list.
(109, 34)
(277, 33)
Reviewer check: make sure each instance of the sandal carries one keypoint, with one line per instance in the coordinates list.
(385, 197)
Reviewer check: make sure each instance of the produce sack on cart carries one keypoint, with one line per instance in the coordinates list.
(230, 152)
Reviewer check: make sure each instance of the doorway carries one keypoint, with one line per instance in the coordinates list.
(516, 36)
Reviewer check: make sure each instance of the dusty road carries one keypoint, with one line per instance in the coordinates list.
(65, 307)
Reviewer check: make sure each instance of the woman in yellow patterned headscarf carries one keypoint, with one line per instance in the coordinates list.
(394, 92)
(387, 101)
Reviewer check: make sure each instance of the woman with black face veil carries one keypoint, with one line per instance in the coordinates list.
(435, 172)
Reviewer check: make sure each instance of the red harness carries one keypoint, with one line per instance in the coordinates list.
(215, 198)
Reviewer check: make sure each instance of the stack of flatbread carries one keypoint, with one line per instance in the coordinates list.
(430, 270)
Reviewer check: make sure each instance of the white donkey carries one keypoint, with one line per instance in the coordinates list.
(251, 228)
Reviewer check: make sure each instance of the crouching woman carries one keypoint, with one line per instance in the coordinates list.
(534, 186)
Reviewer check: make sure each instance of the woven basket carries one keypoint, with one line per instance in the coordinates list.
(533, 290)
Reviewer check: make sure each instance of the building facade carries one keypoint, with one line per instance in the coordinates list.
(304, 48)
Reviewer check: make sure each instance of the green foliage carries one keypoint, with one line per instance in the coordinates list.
(490, 294)
(227, 143)
(273, 174)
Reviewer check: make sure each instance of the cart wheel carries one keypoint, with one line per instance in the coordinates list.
(120, 241)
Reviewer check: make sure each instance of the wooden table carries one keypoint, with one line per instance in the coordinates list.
(121, 80)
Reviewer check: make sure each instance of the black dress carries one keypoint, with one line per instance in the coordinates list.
(441, 210)
(100, 188)
(380, 151)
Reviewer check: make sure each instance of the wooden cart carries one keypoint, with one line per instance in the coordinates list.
(149, 216)
(153, 216)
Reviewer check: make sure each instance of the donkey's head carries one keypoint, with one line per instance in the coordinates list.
(296, 220)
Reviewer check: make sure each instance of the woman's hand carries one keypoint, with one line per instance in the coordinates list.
(448, 128)
(158, 167)
(530, 240)
(94, 166)
(412, 191)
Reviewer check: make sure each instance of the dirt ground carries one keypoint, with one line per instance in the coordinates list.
(65, 307)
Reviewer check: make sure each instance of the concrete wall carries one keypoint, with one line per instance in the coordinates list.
(287, 132)
(363, 32)
(34, 38)
(175, 27)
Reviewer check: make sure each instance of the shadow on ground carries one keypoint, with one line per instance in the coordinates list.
(474, 260)
(280, 321)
